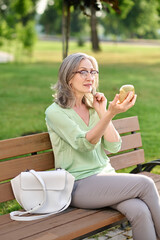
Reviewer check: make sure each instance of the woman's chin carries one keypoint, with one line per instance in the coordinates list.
(89, 90)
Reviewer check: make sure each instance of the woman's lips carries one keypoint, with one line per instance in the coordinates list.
(88, 85)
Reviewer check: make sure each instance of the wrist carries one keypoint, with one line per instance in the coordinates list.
(109, 115)
(102, 114)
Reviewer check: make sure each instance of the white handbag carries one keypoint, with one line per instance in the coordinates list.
(45, 193)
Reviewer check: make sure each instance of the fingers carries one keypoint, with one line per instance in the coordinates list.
(134, 99)
(131, 98)
(99, 96)
(115, 107)
(128, 102)
(116, 99)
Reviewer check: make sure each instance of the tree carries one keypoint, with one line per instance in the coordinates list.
(94, 32)
(142, 19)
(68, 8)
(18, 15)
(51, 20)
(65, 26)
(138, 19)
(93, 5)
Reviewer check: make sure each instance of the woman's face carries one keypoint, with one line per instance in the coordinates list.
(83, 81)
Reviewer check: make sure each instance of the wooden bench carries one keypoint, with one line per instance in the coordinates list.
(73, 223)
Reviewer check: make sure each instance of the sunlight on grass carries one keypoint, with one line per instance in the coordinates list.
(25, 90)
(110, 52)
(25, 87)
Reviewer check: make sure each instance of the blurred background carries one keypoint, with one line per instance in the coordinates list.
(35, 35)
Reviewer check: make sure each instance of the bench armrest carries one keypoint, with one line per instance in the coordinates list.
(146, 167)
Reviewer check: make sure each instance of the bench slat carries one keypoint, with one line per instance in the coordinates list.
(39, 162)
(130, 142)
(125, 125)
(83, 225)
(24, 145)
(5, 219)
(64, 226)
(6, 193)
(70, 215)
(40, 141)
(74, 224)
(44, 161)
(127, 159)
(155, 177)
(118, 162)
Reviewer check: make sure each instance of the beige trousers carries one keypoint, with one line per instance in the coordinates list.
(133, 195)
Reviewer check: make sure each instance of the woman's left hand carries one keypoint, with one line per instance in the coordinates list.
(99, 103)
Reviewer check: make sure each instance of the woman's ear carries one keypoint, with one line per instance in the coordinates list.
(70, 83)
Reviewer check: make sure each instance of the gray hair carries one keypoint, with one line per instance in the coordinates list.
(64, 95)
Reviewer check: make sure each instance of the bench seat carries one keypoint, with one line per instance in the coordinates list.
(73, 223)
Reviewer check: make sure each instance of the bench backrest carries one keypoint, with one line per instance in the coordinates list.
(35, 152)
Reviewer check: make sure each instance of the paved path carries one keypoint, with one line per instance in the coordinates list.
(115, 233)
(5, 57)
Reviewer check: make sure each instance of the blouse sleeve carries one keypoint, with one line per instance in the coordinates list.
(68, 130)
(112, 147)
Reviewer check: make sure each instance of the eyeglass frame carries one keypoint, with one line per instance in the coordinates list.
(87, 72)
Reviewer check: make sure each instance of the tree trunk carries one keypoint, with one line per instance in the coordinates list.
(65, 27)
(94, 33)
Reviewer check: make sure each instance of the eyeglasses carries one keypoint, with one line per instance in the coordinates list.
(84, 73)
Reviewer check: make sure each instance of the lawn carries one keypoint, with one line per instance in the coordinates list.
(25, 90)
(25, 87)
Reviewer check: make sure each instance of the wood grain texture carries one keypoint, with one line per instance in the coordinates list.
(129, 142)
(72, 223)
(125, 125)
(68, 225)
(39, 162)
(6, 192)
(125, 160)
(24, 145)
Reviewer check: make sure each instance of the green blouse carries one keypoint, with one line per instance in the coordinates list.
(72, 150)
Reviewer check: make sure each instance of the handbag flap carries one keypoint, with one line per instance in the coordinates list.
(53, 180)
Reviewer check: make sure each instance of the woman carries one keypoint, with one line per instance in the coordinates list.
(81, 129)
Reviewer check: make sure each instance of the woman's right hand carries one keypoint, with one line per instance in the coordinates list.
(115, 107)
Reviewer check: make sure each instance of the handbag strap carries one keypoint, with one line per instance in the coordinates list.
(18, 215)
(40, 179)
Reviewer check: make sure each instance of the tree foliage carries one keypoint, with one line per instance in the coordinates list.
(140, 19)
(51, 20)
(130, 18)
(84, 5)
(17, 22)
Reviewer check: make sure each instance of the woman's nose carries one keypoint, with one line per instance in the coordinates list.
(90, 76)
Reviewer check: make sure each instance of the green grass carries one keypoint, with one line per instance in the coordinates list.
(25, 93)
(25, 87)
